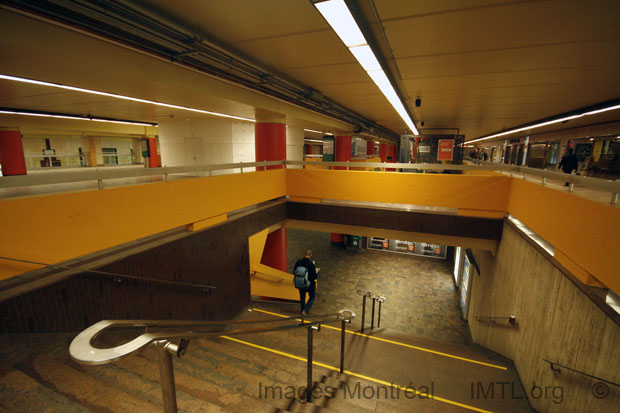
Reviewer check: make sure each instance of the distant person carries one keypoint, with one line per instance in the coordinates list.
(569, 163)
(305, 281)
(485, 156)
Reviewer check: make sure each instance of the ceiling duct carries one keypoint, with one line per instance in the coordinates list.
(127, 23)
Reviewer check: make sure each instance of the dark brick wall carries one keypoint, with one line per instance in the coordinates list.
(217, 256)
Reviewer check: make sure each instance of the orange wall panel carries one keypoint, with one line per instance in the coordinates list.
(586, 231)
(489, 193)
(55, 228)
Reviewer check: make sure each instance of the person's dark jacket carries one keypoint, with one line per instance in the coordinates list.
(306, 262)
(569, 163)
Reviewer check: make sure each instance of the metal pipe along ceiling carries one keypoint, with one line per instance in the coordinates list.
(128, 23)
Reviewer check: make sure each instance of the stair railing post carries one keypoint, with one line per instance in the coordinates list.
(342, 331)
(372, 319)
(309, 369)
(379, 315)
(363, 312)
(166, 376)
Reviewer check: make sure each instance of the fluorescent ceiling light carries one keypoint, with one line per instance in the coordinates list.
(339, 17)
(312, 130)
(122, 97)
(48, 115)
(551, 122)
(313, 140)
(342, 22)
(366, 58)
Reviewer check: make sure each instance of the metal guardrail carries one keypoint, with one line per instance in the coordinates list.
(512, 320)
(375, 298)
(101, 174)
(159, 333)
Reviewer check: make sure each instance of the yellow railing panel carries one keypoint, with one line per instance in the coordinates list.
(59, 227)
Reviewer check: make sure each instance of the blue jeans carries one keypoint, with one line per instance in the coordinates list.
(311, 290)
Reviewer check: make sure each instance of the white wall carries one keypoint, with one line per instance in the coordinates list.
(216, 141)
(294, 145)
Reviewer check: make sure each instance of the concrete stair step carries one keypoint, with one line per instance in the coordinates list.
(197, 383)
(22, 393)
(81, 388)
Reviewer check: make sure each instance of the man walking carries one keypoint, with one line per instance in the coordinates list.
(305, 281)
(569, 163)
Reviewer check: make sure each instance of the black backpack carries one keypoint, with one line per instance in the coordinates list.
(301, 278)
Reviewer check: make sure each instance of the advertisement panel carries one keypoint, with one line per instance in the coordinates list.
(407, 247)
(445, 149)
(328, 148)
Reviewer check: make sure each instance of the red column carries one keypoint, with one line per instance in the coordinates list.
(274, 254)
(153, 158)
(391, 152)
(12, 152)
(383, 152)
(370, 147)
(343, 150)
(270, 145)
(308, 149)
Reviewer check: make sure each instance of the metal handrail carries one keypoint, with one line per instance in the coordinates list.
(552, 364)
(375, 298)
(278, 279)
(160, 332)
(512, 320)
(99, 174)
(111, 274)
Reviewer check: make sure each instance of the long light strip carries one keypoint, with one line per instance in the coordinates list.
(318, 131)
(122, 97)
(339, 17)
(48, 115)
(551, 122)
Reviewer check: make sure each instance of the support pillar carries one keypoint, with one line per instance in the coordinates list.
(270, 145)
(370, 148)
(153, 157)
(12, 157)
(342, 154)
(343, 150)
(383, 152)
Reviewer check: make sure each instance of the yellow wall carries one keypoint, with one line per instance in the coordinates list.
(586, 231)
(486, 193)
(59, 227)
(55, 228)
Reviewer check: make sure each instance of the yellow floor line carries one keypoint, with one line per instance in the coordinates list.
(398, 343)
(361, 376)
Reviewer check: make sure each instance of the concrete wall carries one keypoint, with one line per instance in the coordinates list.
(216, 141)
(556, 321)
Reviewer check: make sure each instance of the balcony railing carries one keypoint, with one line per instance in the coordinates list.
(101, 174)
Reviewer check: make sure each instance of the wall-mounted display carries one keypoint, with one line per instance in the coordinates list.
(328, 148)
(464, 290)
(407, 247)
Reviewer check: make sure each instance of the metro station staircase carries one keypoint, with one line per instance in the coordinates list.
(259, 372)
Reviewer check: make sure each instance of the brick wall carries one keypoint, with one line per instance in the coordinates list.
(217, 256)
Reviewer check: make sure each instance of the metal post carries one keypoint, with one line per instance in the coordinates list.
(571, 187)
(379, 316)
(309, 381)
(342, 346)
(372, 319)
(544, 180)
(614, 198)
(166, 377)
(363, 312)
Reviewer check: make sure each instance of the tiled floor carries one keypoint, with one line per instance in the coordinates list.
(421, 297)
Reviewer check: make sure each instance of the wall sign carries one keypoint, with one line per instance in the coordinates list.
(445, 150)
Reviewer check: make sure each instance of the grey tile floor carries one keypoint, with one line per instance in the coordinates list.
(421, 297)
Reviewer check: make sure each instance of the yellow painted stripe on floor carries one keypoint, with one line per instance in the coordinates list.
(361, 376)
(398, 343)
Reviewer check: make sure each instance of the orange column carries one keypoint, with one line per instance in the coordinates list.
(153, 157)
(370, 147)
(12, 152)
(270, 145)
(343, 150)
(383, 152)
